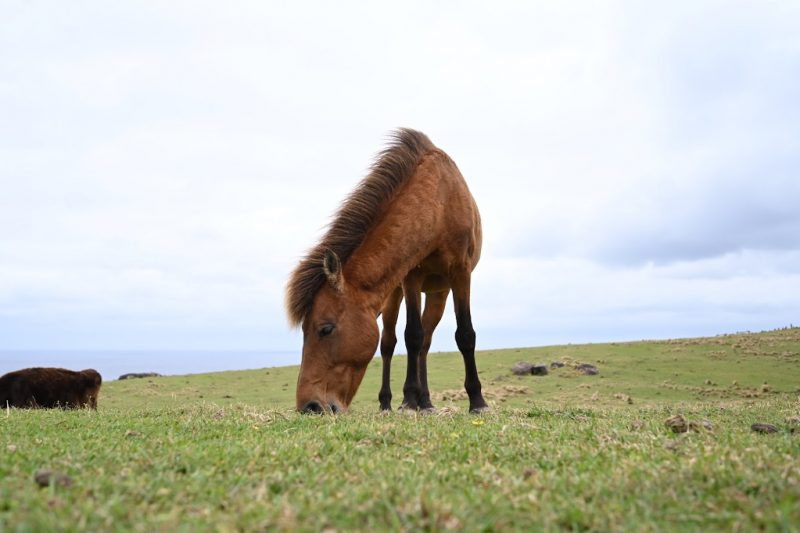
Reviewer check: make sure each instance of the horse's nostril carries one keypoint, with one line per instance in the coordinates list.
(313, 407)
(334, 408)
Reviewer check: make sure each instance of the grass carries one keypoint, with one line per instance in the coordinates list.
(227, 452)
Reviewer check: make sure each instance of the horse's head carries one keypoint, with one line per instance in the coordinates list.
(340, 335)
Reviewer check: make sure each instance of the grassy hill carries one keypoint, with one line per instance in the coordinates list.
(727, 367)
(227, 452)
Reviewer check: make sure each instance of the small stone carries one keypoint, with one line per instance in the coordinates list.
(700, 426)
(677, 424)
(45, 478)
(539, 370)
(139, 375)
(636, 425)
(55, 503)
(764, 428)
(522, 368)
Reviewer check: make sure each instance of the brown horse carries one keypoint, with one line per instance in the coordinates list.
(411, 223)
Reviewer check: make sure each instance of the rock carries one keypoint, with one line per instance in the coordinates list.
(539, 370)
(45, 478)
(557, 364)
(522, 368)
(133, 375)
(677, 424)
(700, 426)
(588, 369)
(764, 428)
(623, 397)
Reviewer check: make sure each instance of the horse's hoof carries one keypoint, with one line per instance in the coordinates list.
(480, 410)
(408, 409)
(429, 410)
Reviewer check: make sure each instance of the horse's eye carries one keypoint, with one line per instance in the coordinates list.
(326, 330)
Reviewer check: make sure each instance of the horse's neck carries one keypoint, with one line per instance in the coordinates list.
(374, 277)
(406, 233)
(381, 263)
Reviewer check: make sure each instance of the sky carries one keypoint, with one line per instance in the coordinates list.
(165, 165)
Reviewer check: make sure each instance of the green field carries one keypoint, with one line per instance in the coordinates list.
(226, 451)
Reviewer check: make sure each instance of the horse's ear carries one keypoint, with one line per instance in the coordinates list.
(332, 267)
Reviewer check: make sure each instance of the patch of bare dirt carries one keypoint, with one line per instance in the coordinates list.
(732, 391)
(501, 393)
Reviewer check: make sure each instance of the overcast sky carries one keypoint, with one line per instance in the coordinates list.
(164, 165)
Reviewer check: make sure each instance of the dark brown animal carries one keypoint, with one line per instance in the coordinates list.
(411, 223)
(50, 388)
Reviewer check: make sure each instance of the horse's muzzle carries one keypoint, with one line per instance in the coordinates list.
(315, 408)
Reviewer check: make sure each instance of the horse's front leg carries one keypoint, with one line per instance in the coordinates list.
(412, 287)
(391, 309)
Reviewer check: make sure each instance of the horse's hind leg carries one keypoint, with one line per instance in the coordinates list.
(434, 309)
(412, 287)
(391, 309)
(465, 339)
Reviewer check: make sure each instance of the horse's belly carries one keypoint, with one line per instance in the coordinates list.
(435, 283)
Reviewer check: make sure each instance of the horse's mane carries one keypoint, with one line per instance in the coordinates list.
(359, 211)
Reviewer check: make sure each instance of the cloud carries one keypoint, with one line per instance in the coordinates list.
(539, 302)
(166, 166)
(688, 149)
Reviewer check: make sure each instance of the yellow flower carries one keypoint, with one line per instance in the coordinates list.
(477, 422)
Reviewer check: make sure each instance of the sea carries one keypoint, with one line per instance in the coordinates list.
(113, 363)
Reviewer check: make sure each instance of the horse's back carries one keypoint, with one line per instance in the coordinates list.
(457, 228)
